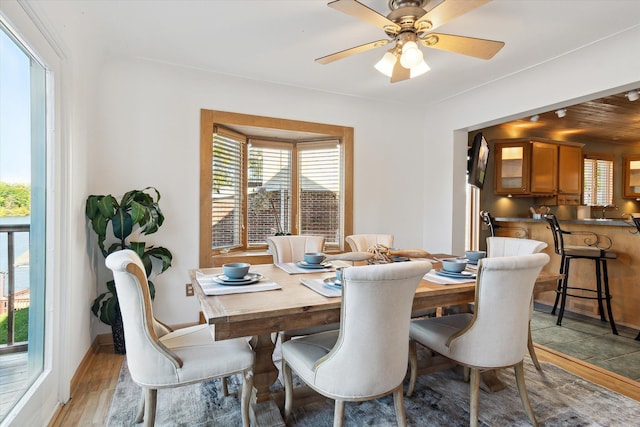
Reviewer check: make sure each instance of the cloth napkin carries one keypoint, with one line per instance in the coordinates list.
(292, 268)
(433, 277)
(211, 287)
(320, 287)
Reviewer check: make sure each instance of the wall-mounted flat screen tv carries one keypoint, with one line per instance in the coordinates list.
(478, 158)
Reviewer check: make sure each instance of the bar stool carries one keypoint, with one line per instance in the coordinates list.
(636, 221)
(519, 232)
(590, 251)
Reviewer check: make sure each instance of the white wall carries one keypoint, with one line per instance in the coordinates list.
(69, 282)
(147, 134)
(136, 123)
(597, 70)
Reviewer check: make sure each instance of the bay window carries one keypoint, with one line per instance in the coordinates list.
(262, 177)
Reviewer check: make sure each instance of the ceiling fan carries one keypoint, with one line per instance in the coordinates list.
(408, 25)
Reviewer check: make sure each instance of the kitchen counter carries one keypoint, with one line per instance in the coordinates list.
(590, 221)
(623, 271)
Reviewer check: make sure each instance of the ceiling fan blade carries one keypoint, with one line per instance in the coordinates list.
(360, 11)
(347, 52)
(446, 11)
(400, 73)
(478, 48)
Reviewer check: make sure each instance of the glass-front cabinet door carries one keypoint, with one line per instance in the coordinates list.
(631, 176)
(512, 167)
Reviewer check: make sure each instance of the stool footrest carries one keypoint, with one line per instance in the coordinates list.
(600, 295)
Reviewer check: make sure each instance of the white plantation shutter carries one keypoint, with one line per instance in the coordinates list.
(320, 184)
(227, 189)
(598, 181)
(270, 173)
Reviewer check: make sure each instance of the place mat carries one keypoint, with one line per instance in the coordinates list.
(292, 268)
(433, 277)
(318, 285)
(211, 287)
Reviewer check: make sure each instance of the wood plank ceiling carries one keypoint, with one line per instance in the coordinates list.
(612, 119)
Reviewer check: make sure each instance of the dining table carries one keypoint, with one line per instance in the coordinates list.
(286, 303)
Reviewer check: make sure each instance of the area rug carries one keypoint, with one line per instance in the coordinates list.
(442, 399)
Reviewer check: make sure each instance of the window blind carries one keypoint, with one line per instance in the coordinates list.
(320, 181)
(598, 182)
(226, 190)
(270, 190)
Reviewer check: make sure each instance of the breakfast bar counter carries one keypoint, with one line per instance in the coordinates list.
(619, 222)
(623, 271)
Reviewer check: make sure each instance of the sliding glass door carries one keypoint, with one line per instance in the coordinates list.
(23, 183)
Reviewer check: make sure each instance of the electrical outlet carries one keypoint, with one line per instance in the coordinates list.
(189, 289)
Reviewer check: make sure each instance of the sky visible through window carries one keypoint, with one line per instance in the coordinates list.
(15, 141)
(15, 132)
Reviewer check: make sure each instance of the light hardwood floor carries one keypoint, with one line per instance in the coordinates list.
(93, 387)
(92, 390)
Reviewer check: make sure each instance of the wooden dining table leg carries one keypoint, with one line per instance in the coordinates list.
(491, 380)
(264, 411)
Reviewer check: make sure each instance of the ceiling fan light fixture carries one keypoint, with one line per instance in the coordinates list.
(633, 95)
(411, 55)
(419, 69)
(386, 64)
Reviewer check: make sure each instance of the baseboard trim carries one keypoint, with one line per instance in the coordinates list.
(83, 367)
(589, 372)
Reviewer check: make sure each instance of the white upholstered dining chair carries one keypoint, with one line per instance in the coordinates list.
(363, 242)
(292, 248)
(367, 357)
(158, 357)
(495, 335)
(512, 246)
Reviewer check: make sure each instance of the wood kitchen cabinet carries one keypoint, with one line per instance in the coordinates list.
(631, 176)
(545, 169)
(512, 162)
(570, 167)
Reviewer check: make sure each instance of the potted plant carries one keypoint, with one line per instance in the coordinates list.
(262, 200)
(137, 211)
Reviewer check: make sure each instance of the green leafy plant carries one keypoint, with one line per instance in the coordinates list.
(15, 199)
(262, 200)
(137, 211)
(20, 326)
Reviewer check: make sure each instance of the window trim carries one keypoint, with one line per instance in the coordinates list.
(228, 133)
(211, 118)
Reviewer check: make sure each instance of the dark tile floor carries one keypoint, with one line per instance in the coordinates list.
(590, 340)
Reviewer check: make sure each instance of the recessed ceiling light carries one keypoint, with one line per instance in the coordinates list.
(561, 112)
(633, 95)
(535, 118)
